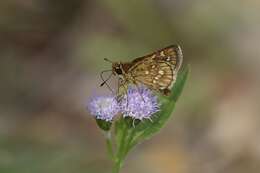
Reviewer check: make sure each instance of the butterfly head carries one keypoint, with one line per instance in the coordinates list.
(117, 68)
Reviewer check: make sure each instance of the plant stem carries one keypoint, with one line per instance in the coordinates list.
(117, 166)
(119, 157)
(109, 146)
(129, 141)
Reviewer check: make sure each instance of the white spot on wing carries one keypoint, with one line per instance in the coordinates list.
(161, 72)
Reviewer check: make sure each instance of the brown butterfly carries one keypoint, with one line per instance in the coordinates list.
(157, 71)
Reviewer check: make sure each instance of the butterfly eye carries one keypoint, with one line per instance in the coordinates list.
(118, 70)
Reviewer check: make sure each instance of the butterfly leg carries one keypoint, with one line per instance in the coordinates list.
(121, 89)
(123, 84)
(139, 92)
(118, 95)
(125, 88)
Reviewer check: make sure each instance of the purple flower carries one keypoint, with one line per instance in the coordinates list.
(139, 103)
(104, 107)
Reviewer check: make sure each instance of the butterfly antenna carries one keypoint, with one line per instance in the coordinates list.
(105, 80)
(101, 76)
(108, 60)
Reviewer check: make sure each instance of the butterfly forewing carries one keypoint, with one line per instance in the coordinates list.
(171, 54)
(158, 70)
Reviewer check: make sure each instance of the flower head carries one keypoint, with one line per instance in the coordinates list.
(139, 103)
(104, 107)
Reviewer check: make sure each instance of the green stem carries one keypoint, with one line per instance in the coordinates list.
(120, 155)
(109, 146)
(122, 146)
(128, 142)
(117, 166)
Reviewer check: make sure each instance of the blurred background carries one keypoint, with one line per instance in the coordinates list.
(51, 54)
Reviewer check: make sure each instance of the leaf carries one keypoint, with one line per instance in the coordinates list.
(120, 125)
(147, 128)
(104, 125)
(122, 133)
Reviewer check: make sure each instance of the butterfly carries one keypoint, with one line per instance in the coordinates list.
(157, 71)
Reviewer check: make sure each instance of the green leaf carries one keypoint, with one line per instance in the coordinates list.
(104, 125)
(120, 125)
(147, 128)
(122, 129)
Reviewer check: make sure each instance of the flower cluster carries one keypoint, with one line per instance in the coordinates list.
(104, 107)
(138, 103)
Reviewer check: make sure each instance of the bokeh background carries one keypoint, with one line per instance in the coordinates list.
(51, 54)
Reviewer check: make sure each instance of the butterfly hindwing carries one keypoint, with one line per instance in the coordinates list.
(157, 76)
